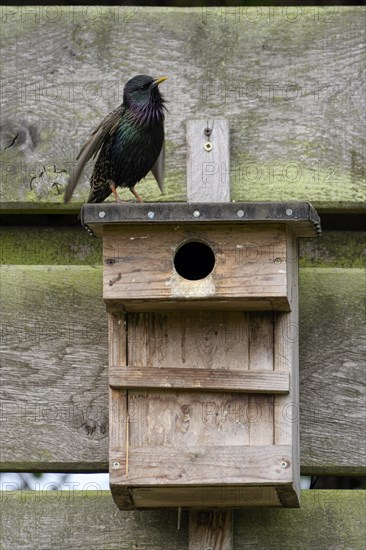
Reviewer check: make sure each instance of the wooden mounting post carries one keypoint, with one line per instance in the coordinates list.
(208, 172)
(211, 530)
(208, 158)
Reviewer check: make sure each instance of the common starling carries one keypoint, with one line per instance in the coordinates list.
(130, 143)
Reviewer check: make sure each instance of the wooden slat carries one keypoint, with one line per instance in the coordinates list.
(260, 356)
(207, 465)
(206, 497)
(204, 177)
(333, 314)
(286, 359)
(90, 519)
(118, 412)
(132, 376)
(54, 342)
(210, 530)
(302, 78)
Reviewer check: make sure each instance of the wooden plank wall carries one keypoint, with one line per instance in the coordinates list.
(290, 82)
(90, 520)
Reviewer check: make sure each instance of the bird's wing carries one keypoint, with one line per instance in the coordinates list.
(158, 169)
(92, 146)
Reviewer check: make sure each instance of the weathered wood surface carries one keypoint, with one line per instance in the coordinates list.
(28, 245)
(332, 358)
(248, 266)
(204, 464)
(84, 520)
(54, 383)
(286, 428)
(210, 530)
(289, 81)
(134, 376)
(208, 149)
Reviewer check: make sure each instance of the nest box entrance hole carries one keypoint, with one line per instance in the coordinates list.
(194, 260)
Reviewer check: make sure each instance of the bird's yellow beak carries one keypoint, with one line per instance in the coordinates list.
(160, 80)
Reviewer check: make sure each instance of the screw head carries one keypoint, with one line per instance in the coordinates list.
(208, 146)
(150, 215)
(196, 213)
(101, 214)
(284, 464)
(240, 213)
(115, 464)
(289, 212)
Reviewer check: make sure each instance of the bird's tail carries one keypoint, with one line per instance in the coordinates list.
(99, 194)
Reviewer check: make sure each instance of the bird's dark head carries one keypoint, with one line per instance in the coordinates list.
(142, 96)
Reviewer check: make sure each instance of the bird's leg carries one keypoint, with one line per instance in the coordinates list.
(132, 189)
(114, 191)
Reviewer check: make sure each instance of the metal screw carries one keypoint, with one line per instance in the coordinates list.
(284, 464)
(277, 260)
(196, 213)
(208, 146)
(240, 213)
(289, 212)
(101, 214)
(115, 464)
(150, 215)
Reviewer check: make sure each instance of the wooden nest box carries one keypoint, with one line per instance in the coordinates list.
(203, 343)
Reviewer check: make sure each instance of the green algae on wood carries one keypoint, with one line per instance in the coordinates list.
(295, 112)
(54, 337)
(83, 518)
(74, 246)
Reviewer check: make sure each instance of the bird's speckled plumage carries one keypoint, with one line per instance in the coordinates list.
(129, 141)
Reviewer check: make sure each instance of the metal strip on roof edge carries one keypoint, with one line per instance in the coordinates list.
(98, 215)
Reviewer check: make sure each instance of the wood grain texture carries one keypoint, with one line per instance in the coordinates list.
(334, 332)
(207, 465)
(50, 425)
(210, 530)
(206, 497)
(249, 262)
(331, 520)
(203, 379)
(118, 408)
(53, 378)
(54, 245)
(286, 359)
(206, 168)
(204, 340)
(295, 113)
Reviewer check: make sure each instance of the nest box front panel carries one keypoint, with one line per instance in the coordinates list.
(206, 447)
(150, 268)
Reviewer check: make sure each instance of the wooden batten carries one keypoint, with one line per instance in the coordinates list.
(236, 464)
(132, 377)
